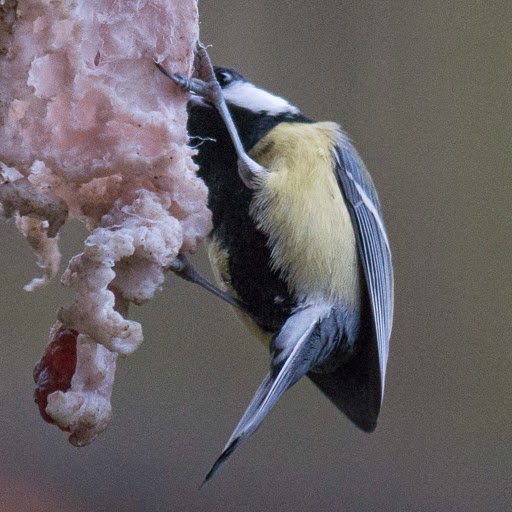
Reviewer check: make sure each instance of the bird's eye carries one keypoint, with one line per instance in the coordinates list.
(224, 78)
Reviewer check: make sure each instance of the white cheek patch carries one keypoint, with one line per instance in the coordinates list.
(247, 95)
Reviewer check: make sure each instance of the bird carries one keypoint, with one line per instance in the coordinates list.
(298, 244)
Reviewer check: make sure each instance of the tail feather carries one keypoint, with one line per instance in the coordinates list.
(235, 439)
(224, 456)
(297, 355)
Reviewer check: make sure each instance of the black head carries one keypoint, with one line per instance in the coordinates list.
(239, 92)
(226, 76)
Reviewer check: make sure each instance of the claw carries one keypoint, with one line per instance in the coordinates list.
(203, 83)
(203, 67)
(184, 269)
(209, 90)
(186, 84)
(207, 87)
(179, 80)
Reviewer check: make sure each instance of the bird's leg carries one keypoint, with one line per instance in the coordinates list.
(184, 269)
(207, 86)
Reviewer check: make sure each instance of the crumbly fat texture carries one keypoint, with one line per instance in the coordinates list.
(90, 130)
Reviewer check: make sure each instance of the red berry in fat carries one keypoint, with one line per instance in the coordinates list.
(55, 369)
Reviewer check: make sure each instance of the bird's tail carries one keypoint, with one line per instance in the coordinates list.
(294, 355)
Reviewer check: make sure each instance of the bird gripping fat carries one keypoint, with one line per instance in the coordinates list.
(298, 244)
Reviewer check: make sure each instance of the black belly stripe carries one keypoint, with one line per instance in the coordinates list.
(263, 292)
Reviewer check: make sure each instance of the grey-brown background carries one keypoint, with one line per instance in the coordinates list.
(424, 89)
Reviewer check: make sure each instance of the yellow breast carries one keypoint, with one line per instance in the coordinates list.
(301, 209)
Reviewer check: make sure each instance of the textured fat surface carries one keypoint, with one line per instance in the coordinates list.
(89, 129)
(39, 217)
(300, 208)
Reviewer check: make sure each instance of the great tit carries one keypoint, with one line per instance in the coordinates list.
(298, 243)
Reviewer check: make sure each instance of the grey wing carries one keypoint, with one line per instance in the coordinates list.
(373, 245)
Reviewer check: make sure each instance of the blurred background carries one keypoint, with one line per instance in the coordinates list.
(424, 89)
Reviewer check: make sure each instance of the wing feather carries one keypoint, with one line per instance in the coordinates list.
(365, 211)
